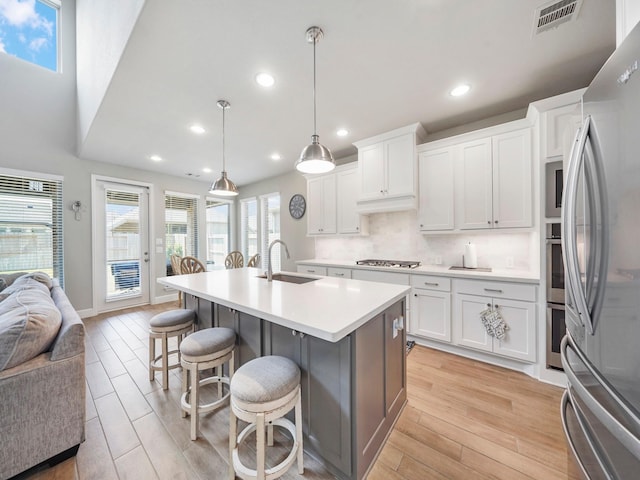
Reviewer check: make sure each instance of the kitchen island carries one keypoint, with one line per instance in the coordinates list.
(347, 337)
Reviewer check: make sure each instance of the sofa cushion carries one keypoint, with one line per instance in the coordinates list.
(29, 323)
(24, 283)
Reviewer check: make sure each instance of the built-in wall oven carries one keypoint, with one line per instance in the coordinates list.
(555, 295)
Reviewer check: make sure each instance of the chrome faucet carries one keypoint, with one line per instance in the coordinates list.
(269, 270)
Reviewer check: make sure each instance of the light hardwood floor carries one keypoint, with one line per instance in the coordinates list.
(464, 420)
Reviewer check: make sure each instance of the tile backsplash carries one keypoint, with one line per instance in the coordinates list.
(395, 236)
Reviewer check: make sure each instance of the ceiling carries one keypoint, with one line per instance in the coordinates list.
(381, 65)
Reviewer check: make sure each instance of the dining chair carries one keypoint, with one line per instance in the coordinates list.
(234, 260)
(176, 269)
(191, 265)
(254, 261)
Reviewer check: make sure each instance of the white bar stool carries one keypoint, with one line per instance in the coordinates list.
(204, 349)
(263, 391)
(172, 323)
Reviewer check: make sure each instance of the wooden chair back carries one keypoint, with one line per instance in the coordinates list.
(254, 261)
(175, 263)
(234, 260)
(191, 265)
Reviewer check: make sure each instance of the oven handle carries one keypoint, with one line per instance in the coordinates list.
(619, 431)
(569, 250)
(565, 402)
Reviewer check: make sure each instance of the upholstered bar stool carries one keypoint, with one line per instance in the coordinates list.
(165, 325)
(202, 350)
(263, 391)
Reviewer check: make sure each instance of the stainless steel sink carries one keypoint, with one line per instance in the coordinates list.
(283, 277)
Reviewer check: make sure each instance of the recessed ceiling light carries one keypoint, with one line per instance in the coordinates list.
(343, 132)
(265, 79)
(460, 90)
(207, 170)
(276, 156)
(198, 129)
(155, 158)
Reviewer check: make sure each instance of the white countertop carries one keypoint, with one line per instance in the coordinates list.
(507, 275)
(328, 308)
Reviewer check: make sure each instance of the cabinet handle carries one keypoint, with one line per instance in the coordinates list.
(415, 294)
(489, 305)
(489, 222)
(311, 271)
(294, 333)
(496, 306)
(301, 335)
(495, 221)
(434, 284)
(339, 274)
(495, 290)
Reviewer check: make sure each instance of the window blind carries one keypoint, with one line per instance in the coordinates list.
(270, 229)
(249, 227)
(181, 225)
(31, 225)
(218, 218)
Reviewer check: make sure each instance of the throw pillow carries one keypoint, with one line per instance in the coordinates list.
(24, 283)
(29, 323)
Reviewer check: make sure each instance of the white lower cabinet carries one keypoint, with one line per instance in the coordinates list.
(313, 269)
(518, 313)
(431, 308)
(339, 272)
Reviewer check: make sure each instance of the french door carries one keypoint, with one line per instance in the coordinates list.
(121, 245)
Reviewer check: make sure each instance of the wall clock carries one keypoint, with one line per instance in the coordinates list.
(297, 206)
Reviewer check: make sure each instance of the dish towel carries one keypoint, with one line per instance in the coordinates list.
(493, 323)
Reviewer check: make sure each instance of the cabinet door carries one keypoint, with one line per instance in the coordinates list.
(512, 180)
(371, 168)
(431, 314)
(347, 197)
(321, 194)
(556, 123)
(400, 166)
(314, 269)
(435, 170)
(339, 272)
(475, 185)
(470, 331)
(520, 338)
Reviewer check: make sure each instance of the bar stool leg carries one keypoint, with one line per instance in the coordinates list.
(233, 437)
(260, 447)
(185, 387)
(152, 356)
(165, 362)
(193, 398)
(298, 414)
(270, 434)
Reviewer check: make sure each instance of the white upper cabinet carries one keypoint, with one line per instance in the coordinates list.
(495, 186)
(435, 173)
(387, 170)
(331, 203)
(559, 128)
(321, 200)
(349, 220)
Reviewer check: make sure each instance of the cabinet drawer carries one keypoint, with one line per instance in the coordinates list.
(429, 282)
(339, 272)
(314, 269)
(516, 291)
(384, 277)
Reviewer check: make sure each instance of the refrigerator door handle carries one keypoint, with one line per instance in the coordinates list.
(619, 431)
(566, 402)
(569, 248)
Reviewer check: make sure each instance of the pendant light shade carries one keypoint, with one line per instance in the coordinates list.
(223, 186)
(315, 157)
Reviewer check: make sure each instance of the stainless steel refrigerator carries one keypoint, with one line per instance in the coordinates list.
(601, 244)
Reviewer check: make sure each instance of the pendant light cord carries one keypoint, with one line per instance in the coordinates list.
(315, 40)
(223, 149)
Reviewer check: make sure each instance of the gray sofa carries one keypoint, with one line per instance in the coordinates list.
(42, 399)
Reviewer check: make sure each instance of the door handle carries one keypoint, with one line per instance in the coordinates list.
(146, 257)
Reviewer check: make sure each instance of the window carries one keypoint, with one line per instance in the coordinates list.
(218, 217)
(181, 225)
(270, 228)
(29, 30)
(31, 225)
(249, 227)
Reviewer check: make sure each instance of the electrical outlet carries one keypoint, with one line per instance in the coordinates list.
(438, 260)
(509, 262)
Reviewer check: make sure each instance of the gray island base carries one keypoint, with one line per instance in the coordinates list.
(353, 388)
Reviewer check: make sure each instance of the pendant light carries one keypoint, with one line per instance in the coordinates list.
(223, 186)
(315, 157)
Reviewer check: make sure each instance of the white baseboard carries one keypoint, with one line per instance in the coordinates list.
(165, 298)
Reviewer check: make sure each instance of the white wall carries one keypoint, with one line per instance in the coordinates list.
(38, 133)
(104, 27)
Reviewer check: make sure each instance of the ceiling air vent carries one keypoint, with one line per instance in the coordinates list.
(553, 14)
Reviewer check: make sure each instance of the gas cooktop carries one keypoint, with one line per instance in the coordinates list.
(388, 263)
